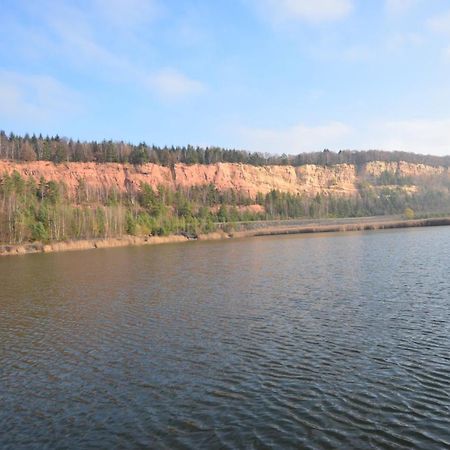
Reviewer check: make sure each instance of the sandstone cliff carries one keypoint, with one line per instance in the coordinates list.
(309, 179)
(376, 168)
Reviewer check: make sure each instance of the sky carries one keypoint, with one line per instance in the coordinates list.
(277, 76)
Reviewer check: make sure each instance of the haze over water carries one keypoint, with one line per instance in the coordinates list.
(324, 341)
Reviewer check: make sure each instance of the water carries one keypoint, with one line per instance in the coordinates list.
(319, 341)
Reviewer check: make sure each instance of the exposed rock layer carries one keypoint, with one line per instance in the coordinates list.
(310, 179)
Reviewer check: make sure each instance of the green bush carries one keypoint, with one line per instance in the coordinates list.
(38, 232)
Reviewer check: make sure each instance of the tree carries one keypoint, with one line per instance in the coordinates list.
(139, 156)
(409, 213)
(27, 152)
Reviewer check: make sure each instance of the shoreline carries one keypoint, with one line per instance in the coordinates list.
(125, 241)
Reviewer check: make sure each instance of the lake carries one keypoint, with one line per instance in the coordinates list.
(319, 341)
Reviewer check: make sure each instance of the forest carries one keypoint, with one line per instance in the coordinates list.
(45, 211)
(58, 149)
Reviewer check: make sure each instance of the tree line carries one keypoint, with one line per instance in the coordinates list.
(59, 149)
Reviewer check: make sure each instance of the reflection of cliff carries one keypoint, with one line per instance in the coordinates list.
(309, 179)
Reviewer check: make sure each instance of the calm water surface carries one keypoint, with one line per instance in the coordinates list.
(324, 341)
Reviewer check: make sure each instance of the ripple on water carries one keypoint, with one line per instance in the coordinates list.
(291, 342)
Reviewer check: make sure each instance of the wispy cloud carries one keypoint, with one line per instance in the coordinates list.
(399, 7)
(39, 98)
(440, 24)
(398, 41)
(78, 44)
(418, 135)
(356, 53)
(314, 11)
(296, 139)
(76, 40)
(173, 85)
(340, 53)
(423, 135)
(127, 13)
(447, 53)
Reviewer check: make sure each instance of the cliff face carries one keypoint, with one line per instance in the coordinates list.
(340, 179)
(376, 168)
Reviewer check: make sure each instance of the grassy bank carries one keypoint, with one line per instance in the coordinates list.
(124, 241)
(343, 226)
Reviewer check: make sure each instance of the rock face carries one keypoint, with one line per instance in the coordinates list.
(376, 168)
(340, 179)
(253, 179)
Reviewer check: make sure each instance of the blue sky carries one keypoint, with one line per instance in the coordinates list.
(279, 76)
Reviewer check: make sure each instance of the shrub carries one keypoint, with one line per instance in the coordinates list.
(409, 214)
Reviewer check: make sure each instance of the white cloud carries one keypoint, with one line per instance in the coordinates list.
(356, 53)
(36, 97)
(172, 85)
(352, 53)
(398, 41)
(426, 136)
(447, 53)
(397, 7)
(440, 24)
(296, 139)
(314, 11)
(128, 13)
(80, 44)
(415, 135)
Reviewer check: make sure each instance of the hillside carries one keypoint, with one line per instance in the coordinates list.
(54, 189)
